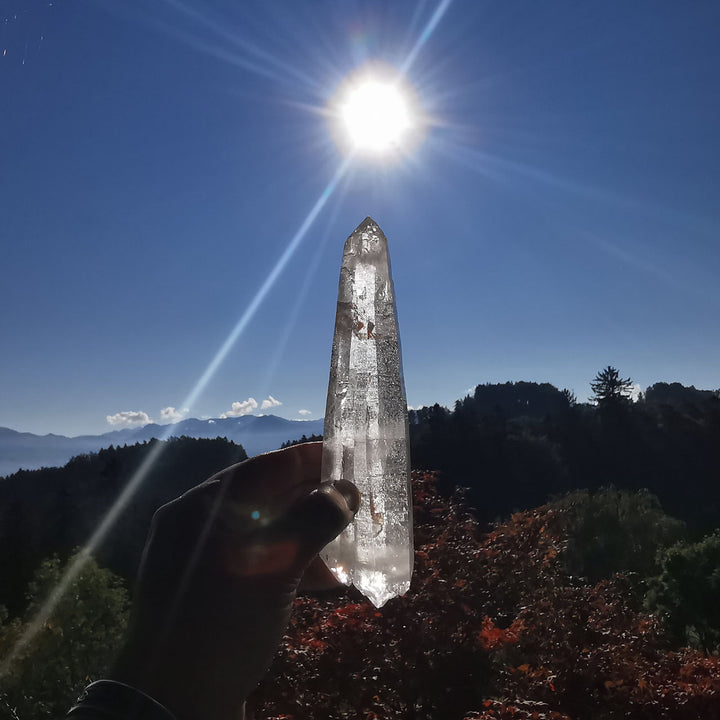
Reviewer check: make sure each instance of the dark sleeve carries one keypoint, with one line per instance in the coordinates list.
(111, 700)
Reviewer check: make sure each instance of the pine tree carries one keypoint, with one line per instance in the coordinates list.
(608, 387)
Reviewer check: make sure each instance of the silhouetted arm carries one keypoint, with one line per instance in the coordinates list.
(218, 577)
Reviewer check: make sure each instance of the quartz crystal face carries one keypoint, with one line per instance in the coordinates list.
(366, 430)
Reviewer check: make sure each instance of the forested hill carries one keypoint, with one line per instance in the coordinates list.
(516, 444)
(55, 510)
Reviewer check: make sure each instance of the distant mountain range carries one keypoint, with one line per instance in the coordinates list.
(256, 434)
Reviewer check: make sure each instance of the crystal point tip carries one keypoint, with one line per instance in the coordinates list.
(365, 224)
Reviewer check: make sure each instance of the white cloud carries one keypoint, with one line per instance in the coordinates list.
(269, 402)
(304, 412)
(128, 418)
(635, 392)
(171, 415)
(241, 408)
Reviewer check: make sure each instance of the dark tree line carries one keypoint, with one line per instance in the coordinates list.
(513, 445)
(303, 439)
(55, 510)
(516, 444)
(545, 615)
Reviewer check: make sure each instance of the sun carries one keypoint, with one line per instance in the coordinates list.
(375, 115)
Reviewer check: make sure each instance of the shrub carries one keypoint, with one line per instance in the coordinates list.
(615, 531)
(493, 626)
(74, 646)
(687, 590)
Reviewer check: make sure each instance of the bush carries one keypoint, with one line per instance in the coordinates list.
(615, 531)
(493, 626)
(74, 646)
(687, 592)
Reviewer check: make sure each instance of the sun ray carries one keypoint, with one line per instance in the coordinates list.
(287, 70)
(244, 54)
(308, 278)
(428, 30)
(156, 451)
(106, 524)
(42, 616)
(267, 285)
(529, 178)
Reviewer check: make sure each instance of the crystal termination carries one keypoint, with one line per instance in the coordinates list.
(366, 429)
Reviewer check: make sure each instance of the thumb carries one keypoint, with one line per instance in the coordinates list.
(318, 518)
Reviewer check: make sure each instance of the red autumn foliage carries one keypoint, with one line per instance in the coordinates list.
(493, 638)
(492, 628)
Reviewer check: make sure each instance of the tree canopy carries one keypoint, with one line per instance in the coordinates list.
(75, 646)
(494, 626)
(608, 387)
(596, 604)
(55, 510)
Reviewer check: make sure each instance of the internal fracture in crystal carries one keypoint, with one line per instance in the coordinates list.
(366, 431)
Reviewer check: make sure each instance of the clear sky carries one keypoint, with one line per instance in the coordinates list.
(157, 160)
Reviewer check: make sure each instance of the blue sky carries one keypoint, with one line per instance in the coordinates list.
(560, 215)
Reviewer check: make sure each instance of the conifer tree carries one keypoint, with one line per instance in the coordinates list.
(608, 387)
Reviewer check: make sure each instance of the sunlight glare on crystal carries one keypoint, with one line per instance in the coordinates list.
(341, 574)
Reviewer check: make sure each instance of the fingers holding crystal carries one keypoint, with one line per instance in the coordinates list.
(319, 517)
(264, 487)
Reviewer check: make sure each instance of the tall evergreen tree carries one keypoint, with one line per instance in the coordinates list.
(608, 387)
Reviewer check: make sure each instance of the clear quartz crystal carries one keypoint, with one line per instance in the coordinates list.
(366, 430)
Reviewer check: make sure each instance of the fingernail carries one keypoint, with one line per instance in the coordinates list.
(349, 492)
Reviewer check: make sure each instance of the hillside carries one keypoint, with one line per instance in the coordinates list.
(255, 433)
(514, 445)
(598, 603)
(55, 510)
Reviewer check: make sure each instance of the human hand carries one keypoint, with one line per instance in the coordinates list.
(219, 573)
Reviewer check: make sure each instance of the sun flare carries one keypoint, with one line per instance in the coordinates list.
(375, 116)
